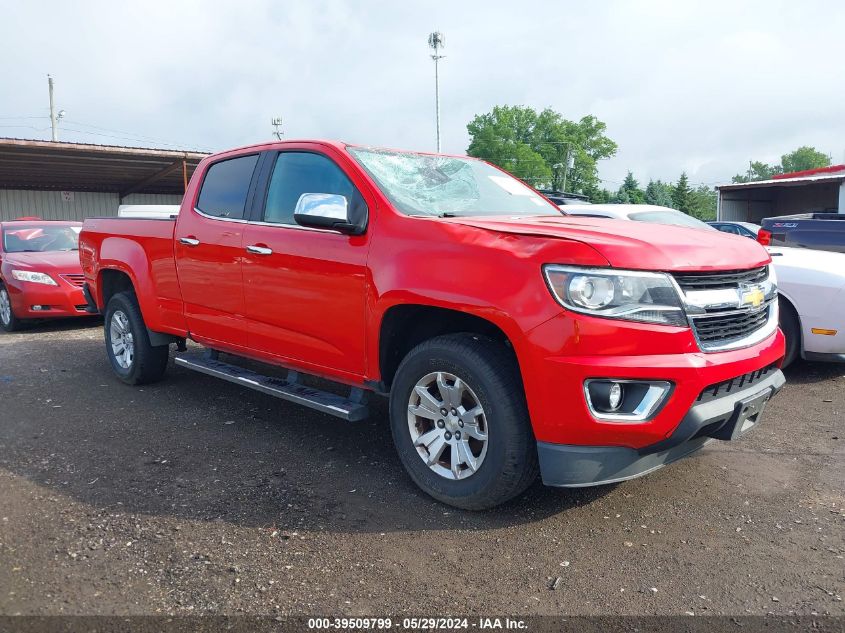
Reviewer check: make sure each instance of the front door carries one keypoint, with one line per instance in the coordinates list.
(209, 254)
(305, 288)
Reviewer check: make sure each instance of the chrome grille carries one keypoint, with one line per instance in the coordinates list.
(729, 309)
(721, 279)
(725, 327)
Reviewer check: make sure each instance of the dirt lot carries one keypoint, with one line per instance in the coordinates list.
(195, 496)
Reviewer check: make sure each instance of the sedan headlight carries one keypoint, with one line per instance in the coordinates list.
(34, 277)
(630, 295)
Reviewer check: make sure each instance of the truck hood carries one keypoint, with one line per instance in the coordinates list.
(51, 261)
(637, 245)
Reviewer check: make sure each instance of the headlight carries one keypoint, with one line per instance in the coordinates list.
(617, 294)
(36, 278)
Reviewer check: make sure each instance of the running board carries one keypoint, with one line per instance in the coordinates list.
(352, 409)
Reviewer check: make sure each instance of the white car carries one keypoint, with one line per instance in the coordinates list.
(811, 283)
(636, 212)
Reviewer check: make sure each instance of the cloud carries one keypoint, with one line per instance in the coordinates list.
(695, 86)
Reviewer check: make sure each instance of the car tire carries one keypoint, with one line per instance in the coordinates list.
(791, 327)
(132, 358)
(463, 371)
(8, 320)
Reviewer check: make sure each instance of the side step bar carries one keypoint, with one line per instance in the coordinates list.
(353, 409)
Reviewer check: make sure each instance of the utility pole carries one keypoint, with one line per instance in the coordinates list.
(437, 41)
(570, 163)
(53, 122)
(276, 122)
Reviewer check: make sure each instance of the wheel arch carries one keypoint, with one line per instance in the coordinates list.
(790, 305)
(404, 326)
(111, 281)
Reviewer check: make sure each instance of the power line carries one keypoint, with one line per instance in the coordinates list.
(124, 135)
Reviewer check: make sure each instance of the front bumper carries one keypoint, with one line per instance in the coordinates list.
(714, 416)
(63, 300)
(565, 352)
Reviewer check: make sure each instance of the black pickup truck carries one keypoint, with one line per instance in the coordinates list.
(822, 231)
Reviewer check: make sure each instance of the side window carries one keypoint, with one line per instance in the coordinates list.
(225, 187)
(296, 173)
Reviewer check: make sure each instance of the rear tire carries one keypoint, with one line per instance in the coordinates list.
(132, 358)
(476, 382)
(791, 327)
(8, 320)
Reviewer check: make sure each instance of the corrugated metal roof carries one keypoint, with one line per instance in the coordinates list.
(784, 182)
(48, 165)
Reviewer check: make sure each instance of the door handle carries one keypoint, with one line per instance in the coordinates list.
(189, 241)
(259, 250)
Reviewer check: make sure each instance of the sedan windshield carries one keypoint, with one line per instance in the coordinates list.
(40, 239)
(670, 217)
(426, 184)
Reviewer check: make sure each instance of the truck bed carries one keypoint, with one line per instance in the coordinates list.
(821, 231)
(128, 246)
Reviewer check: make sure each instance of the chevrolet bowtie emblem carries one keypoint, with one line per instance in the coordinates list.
(751, 297)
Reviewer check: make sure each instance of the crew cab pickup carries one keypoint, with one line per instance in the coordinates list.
(819, 231)
(508, 338)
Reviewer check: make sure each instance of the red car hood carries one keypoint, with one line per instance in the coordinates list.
(51, 261)
(638, 245)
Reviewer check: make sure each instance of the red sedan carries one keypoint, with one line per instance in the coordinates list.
(40, 276)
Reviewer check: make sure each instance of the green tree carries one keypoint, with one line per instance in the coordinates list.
(503, 137)
(758, 171)
(703, 203)
(682, 194)
(598, 195)
(659, 193)
(804, 158)
(536, 146)
(630, 192)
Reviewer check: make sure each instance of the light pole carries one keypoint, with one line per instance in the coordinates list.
(53, 121)
(437, 41)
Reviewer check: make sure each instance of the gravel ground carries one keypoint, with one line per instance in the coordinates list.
(194, 496)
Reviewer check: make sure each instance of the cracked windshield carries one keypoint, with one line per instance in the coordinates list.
(422, 184)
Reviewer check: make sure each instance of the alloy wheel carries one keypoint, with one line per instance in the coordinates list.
(5, 307)
(122, 341)
(448, 426)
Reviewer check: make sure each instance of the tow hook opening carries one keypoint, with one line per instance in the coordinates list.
(622, 400)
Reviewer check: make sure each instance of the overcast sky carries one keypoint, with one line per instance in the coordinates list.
(695, 86)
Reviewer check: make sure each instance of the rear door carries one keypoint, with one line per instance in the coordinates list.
(305, 288)
(209, 252)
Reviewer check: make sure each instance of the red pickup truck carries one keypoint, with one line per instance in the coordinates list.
(508, 338)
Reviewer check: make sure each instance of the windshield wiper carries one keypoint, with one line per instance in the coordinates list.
(448, 214)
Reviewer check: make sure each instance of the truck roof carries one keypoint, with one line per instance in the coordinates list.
(337, 144)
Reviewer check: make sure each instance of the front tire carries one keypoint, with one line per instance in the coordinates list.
(8, 320)
(132, 358)
(460, 422)
(791, 327)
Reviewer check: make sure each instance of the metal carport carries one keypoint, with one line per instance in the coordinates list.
(815, 190)
(72, 181)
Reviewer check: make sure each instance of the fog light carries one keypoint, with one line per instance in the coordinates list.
(614, 398)
(625, 400)
(605, 395)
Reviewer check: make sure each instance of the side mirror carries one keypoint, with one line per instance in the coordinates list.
(324, 211)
